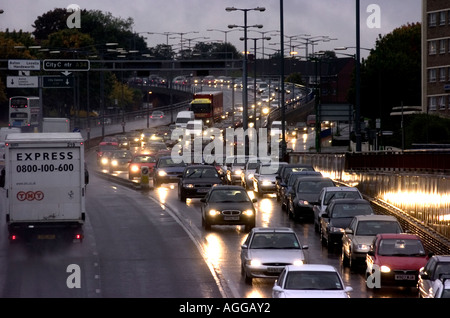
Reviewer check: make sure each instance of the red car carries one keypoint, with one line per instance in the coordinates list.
(395, 259)
(106, 146)
(138, 161)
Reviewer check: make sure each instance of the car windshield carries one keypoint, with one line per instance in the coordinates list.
(229, 195)
(168, 162)
(268, 169)
(313, 280)
(372, 228)
(350, 210)
(313, 186)
(144, 159)
(201, 173)
(400, 247)
(122, 155)
(331, 195)
(275, 241)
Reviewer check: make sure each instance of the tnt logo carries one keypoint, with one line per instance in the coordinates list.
(74, 20)
(30, 195)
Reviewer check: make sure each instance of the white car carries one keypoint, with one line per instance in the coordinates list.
(310, 281)
(267, 250)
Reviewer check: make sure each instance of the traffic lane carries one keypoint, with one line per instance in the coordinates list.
(46, 269)
(223, 245)
(142, 251)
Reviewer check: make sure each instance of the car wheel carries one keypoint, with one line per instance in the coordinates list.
(156, 184)
(181, 195)
(249, 227)
(205, 224)
(248, 279)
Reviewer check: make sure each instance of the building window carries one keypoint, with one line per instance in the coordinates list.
(432, 103)
(442, 74)
(432, 19)
(442, 46)
(432, 75)
(442, 18)
(432, 48)
(441, 102)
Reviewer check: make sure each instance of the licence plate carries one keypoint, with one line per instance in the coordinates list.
(46, 236)
(405, 277)
(202, 190)
(231, 218)
(274, 269)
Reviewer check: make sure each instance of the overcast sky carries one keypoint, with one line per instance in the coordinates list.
(333, 18)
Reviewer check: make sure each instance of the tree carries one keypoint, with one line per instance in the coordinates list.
(391, 75)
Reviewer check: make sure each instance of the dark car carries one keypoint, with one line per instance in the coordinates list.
(305, 194)
(196, 181)
(283, 173)
(167, 171)
(337, 217)
(228, 205)
(120, 160)
(287, 188)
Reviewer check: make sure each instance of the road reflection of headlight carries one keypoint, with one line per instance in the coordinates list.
(162, 173)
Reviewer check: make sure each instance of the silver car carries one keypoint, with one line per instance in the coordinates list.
(359, 235)
(267, 250)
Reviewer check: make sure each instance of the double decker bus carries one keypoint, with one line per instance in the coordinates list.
(24, 112)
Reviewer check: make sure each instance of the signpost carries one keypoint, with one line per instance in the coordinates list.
(22, 81)
(57, 82)
(24, 65)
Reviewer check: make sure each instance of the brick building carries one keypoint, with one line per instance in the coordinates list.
(436, 57)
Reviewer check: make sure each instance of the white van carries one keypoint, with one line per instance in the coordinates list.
(183, 117)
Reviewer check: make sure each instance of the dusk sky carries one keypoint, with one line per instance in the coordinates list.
(333, 18)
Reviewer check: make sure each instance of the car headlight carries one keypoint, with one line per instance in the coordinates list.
(104, 161)
(362, 247)
(266, 183)
(255, 262)
(250, 176)
(298, 262)
(238, 172)
(247, 212)
(385, 269)
(114, 163)
(189, 185)
(213, 212)
(162, 173)
(336, 229)
(134, 168)
(303, 202)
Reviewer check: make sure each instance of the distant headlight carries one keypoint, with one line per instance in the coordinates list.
(266, 183)
(250, 176)
(114, 162)
(104, 161)
(363, 247)
(162, 173)
(336, 229)
(248, 212)
(255, 262)
(238, 172)
(189, 185)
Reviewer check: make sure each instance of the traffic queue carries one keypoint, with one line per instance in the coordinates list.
(343, 219)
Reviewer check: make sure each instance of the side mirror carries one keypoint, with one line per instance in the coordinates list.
(254, 200)
(203, 200)
(244, 246)
(348, 231)
(277, 288)
(86, 177)
(305, 247)
(371, 253)
(2, 178)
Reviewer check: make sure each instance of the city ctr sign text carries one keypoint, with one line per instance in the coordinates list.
(66, 65)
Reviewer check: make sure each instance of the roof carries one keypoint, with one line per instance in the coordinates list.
(272, 229)
(46, 137)
(348, 201)
(311, 267)
(404, 236)
(340, 189)
(375, 217)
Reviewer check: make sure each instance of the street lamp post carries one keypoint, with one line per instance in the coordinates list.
(244, 66)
